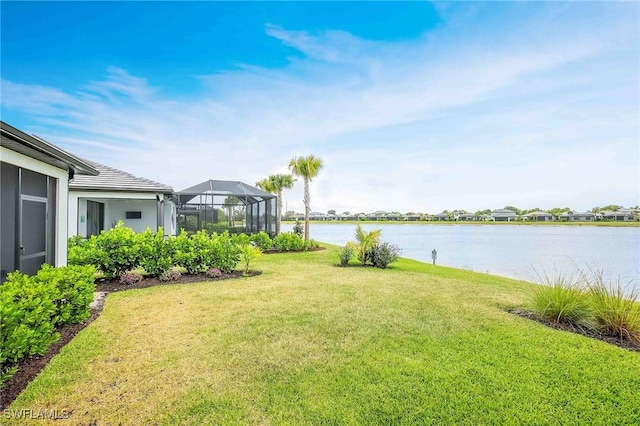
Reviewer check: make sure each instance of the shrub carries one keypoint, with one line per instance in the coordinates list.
(560, 299)
(288, 241)
(170, 275)
(192, 252)
(223, 253)
(74, 287)
(249, 252)
(345, 255)
(116, 251)
(81, 251)
(615, 312)
(27, 319)
(129, 278)
(312, 244)
(261, 240)
(156, 252)
(213, 273)
(383, 254)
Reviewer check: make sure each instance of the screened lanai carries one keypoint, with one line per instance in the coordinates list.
(222, 205)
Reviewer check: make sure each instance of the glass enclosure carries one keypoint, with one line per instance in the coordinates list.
(218, 206)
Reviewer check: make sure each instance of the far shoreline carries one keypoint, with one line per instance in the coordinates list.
(634, 224)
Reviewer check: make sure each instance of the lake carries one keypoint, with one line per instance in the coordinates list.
(510, 251)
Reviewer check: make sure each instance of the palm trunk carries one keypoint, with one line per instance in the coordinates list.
(307, 202)
(279, 213)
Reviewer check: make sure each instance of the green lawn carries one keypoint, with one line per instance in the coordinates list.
(311, 343)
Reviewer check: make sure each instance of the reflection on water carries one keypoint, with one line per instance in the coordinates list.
(519, 252)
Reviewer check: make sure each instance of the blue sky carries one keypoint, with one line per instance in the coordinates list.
(413, 106)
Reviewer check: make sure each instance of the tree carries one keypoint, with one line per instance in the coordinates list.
(515, 209)
(230, 203)
(307, 168)
(275, 184)
(331, 212)
(365, 241)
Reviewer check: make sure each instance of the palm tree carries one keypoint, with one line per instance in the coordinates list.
(230, 203)
(274, 184)
(306, 168)
(365, 241)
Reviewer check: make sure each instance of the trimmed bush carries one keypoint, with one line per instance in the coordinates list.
(74, 287)
(27, 313)
(381, 255)
(116, 251)
(156, 252)
(223, 253)
(261, 240)
(288, 241)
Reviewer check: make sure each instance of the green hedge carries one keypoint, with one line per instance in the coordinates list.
(32, 307)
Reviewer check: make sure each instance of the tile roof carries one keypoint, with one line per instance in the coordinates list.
(111, 179)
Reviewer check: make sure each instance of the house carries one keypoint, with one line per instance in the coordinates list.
(33, 200)
(465, 217)
(97, 203)
(582, 217)
(440, 216)
(620, 215)
(503, 215)
(315, 215)
(539, 216)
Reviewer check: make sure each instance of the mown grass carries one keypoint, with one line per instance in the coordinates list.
(308, 342)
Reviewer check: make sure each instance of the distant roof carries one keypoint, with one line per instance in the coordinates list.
(224, 188)
(39, 149)
(111, 179)
(507, 211)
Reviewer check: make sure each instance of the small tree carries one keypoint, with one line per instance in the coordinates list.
(365, 241)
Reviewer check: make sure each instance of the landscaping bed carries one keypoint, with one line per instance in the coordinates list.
(579, 329)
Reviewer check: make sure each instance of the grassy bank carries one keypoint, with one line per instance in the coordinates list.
(307, 342)
(469, 223)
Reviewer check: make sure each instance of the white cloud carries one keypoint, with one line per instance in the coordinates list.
(539, 117)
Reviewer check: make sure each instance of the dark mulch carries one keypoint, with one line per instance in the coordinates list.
(578, 329)
(29, 368)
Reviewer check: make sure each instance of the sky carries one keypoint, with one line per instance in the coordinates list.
(413, 107)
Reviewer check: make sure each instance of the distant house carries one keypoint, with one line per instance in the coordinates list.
(317, 216)
(620, 215)
(412, 217)
(582, 217)
(440, 216)
(466, 217)
(97, 203)
(33, 201)
(503, 215)
(539, 216)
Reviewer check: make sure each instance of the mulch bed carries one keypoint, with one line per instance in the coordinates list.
(29, 368)
(577, 329)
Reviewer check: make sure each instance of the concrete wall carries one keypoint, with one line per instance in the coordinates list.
(116, 204)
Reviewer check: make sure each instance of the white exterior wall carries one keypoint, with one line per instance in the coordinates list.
(62, 191)
(116, 204)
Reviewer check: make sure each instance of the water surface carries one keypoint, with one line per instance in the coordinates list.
(521, 252)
